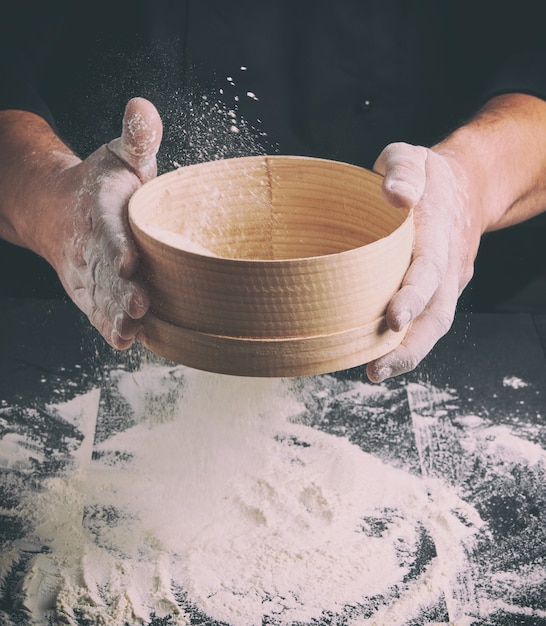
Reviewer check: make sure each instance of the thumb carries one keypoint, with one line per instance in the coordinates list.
(404, 169)
(140, 138)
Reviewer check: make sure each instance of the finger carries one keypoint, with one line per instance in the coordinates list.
(130, 297)
(111, 227)
(140, 139)
(404, 169)
(126, 327)
(117, 328)
(103, 280)
(421, 282)
(422, 336)
(433, 218)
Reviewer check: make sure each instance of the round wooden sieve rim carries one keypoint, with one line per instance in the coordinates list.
(236, 261)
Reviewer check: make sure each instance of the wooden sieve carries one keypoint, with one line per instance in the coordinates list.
(269, 265)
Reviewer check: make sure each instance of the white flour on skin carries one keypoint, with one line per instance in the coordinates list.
(241, 513)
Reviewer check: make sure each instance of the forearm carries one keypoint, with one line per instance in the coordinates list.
(32, 162)
(501, 156)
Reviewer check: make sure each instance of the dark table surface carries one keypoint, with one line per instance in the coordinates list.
(484, 382)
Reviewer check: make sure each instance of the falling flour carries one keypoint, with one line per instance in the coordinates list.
(228, 506)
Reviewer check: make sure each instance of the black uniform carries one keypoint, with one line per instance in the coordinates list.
(330, 79)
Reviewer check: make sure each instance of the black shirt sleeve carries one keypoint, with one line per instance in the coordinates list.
(27, 31)
(521, 73)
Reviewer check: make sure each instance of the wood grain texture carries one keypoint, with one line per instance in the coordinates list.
(269, 266)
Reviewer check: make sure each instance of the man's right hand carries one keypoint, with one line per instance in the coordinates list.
(77, 218)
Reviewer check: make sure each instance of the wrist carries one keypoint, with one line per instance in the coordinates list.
(33, 179)
(501, 154)
(472, 174)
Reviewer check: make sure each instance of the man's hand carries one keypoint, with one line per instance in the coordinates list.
(97, 259)
(488, 174)
(74, 213)
(447, 236)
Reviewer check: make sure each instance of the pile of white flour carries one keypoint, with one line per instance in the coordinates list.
(226, 507)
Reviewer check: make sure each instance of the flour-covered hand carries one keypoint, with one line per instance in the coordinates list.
(446, 242)
(94, 255)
